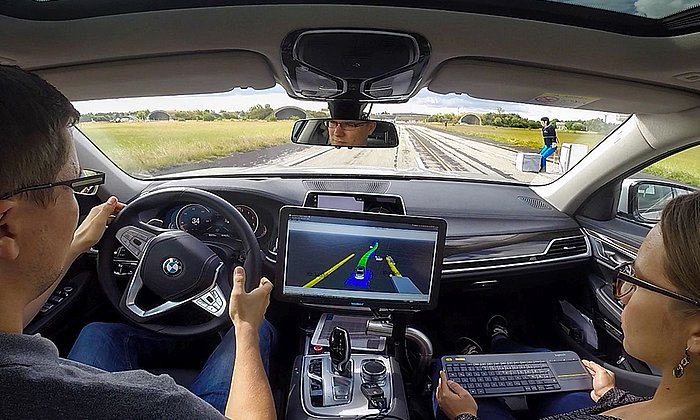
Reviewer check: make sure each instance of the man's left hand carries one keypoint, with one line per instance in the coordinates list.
(93, 227)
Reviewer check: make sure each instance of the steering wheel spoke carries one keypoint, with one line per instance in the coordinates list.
(132, 292)
(134, 239)
(213, 302)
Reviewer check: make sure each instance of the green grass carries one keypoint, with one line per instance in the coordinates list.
(145, 146)
(683, 167)
(523, 137)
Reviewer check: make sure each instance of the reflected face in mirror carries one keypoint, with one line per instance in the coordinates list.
(349, 132)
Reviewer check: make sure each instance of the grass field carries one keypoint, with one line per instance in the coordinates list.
(683, 167)
(520, 136)
(145, 146)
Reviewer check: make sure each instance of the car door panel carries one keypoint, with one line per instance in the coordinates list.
(614, 242)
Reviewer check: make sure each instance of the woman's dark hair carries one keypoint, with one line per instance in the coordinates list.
(34, 141)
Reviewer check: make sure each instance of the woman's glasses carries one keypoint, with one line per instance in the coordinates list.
(625, 283)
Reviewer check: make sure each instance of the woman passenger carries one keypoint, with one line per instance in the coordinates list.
(661, 324)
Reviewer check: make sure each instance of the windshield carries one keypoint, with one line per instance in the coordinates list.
(246, 131)
(654, 9)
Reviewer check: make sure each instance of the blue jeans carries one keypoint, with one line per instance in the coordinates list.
(545, 151)
(120, 347)
(539, 405)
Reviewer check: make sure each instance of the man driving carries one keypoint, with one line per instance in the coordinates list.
(39, 175)
(349, 133)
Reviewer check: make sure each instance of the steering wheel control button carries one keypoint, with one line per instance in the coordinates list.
(212, 302)
(134, 239)
(172, 266)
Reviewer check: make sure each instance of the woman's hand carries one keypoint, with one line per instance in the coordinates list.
(603, 379)
(93, 227)
(453, 399)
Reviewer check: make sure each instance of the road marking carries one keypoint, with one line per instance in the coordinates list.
(328, 272)
(392, 266)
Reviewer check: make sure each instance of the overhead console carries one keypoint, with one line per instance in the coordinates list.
(354, 65)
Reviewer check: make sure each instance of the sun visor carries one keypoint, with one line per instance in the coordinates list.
(167, 75)
(524, 84)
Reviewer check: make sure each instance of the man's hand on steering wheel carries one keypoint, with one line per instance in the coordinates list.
(93, 227)
(247, 310)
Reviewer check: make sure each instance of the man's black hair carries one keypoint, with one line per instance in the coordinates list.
(545, 119)
(34, 140)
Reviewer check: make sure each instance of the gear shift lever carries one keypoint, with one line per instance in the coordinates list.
(339, 343)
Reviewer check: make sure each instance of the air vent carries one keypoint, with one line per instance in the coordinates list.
(567, 247)
(537, 203)
(376, 187)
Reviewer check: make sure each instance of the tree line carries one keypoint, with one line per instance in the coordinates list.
(501, 119)
(256, 112)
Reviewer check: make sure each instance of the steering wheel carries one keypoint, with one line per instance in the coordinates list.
(175, 270)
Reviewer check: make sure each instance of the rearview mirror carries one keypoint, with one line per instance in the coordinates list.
(345, 133)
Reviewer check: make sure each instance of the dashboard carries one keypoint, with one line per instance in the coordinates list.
(492, 228)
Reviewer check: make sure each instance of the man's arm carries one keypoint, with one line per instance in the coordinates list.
(250, 396)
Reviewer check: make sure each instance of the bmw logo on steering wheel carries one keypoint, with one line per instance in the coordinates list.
(172, 266)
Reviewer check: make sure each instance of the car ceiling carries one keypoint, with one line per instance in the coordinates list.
(213, 49)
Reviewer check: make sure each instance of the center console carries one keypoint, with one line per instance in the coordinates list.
(339, 384)
(358, 263)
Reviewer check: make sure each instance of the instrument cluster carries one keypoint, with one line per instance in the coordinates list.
(200, 220)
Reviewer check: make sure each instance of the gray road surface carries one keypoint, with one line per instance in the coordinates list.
(422, 147)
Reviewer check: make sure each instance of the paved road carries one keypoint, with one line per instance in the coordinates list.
(419, 148)
(422, 147)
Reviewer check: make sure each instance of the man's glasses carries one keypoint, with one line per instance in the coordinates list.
(87, 184)
(345, 125)
(625, 283)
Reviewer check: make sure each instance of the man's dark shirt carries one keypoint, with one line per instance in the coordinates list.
(37, 384)
(549, 134)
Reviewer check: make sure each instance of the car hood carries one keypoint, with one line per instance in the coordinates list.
(349, 172)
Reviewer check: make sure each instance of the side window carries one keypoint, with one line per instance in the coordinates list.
(645, 194)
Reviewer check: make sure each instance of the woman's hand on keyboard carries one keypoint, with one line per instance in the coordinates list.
(453, 399)
(603, 379)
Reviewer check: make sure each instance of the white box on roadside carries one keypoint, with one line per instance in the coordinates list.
(528, 162)
(571, 154)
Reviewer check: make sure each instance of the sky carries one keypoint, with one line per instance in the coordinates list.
(425, 102)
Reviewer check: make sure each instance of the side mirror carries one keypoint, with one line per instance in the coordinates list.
(345, 133)
(647, 198)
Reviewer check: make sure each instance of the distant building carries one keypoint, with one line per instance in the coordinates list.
(158, 116)
(290, 112)
(126, 118)
(470, 119)
(406, 117)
